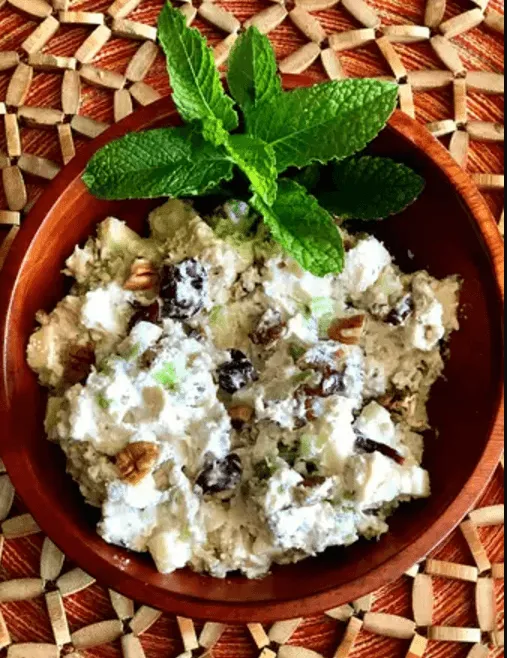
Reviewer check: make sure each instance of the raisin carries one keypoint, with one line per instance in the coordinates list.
(401, 312)
(369, 447)
(221, 475)
(313, 481)
(237, 373)
(183, 289)
(151, 313)
(270, 329)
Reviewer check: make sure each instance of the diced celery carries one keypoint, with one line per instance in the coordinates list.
(168, 376)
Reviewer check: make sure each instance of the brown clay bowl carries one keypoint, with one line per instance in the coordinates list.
(450, 230)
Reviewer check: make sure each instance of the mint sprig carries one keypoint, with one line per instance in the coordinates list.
(313, 126)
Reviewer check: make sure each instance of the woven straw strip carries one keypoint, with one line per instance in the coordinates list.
(282, 631)
(211, 634)
(73, 582)
(97, 634)
(144, 619)
(51, 561)
(418, 647)
(123, 606)
(352, 633)
(423, 602)
(131, 647)
(297, 652)
(485, 603)
(342, 613)
(33, 650)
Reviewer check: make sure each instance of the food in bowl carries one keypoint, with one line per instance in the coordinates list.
(248, 385)
(228, 410)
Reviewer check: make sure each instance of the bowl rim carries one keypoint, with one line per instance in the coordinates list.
(114, 576)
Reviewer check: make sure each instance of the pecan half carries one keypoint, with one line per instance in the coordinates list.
(79, 364)
(136, 460)
(240, 415)
(143, 276)
(347, 330)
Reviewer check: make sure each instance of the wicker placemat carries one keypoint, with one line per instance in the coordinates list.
(66, 73)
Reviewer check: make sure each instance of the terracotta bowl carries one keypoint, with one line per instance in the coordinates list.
(450, 230)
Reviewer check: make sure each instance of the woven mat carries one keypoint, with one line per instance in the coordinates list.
(66, 73)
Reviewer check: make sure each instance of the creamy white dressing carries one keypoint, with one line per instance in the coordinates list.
(332, 439)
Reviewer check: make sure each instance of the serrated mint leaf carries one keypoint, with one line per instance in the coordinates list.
(257, 161)
(309, 177)
(370, 188)
(253, 72)
(328, 121)
(175, 162)
(304, 229)
(197, 90)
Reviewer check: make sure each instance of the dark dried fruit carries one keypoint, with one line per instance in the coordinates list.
(332, 383)
(400, 402)
(151, 313)
(313, 481)
(183, 289)
(237, 373)
(401, 312)
(369, 447)
(221, 475)
(80, 361)
(270, 329)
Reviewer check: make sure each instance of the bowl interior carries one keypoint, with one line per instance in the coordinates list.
(437, 234)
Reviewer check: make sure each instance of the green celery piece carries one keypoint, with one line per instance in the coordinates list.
(197, 90)
(103, 402)
(167, 377)
(253, 72)
(174, 162)
(257, 161)
(329, 121)
(304, 229)
(321, 306)
(370, 188)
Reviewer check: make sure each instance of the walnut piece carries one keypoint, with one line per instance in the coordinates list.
(79, 364)
(240, 415)
(136, 461)
(143, 276)
(347, 331)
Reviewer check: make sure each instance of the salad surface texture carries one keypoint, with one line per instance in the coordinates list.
(227, 409)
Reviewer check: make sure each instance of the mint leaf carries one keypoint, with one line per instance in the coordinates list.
(257, 161)
(252, 75)
(309, 177)
(370, 188)
(175, 162)
(325, 122)
(304, 229)
(197, 90)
